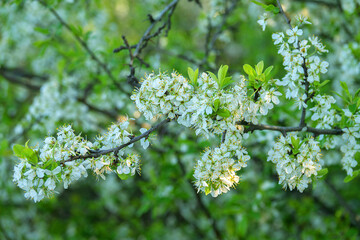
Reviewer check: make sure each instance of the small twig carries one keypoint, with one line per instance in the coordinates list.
(306, 82)
(84, 45)
(110, 114)
(147, 36)
(287, 19)
(13, 79)
(223, 137)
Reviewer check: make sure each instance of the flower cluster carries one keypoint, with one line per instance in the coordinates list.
(205, 107)
(297, 161)
(67, 158)
(323, 113)
(351, 147)
(300, 64)
(216, 171)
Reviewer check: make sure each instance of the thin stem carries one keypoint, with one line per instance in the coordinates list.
(287, 19)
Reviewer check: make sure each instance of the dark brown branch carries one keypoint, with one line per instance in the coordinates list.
(85, 46)
(95, 154)
(110, 114)
(12, 79)
(252, 127)
(287, 19)
(147, 36)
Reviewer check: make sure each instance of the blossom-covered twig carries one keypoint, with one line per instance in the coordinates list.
(316, 131)
(306, 82)
(94, 154)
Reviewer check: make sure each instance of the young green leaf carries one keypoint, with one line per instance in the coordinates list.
(260, 4)
(193, 75)
(223, 113)
(123, 176)
(350, 178)
(259, 67)
(216, 105)
(322, 173)
(353, 108)
(323, 83)
(346, 89)
(215, 79)
(222, 72)
(18, 150)
(268, 71)
(249, 70)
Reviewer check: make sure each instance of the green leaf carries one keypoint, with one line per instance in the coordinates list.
(123, 176)
(214, 78)
(249, 70)
(48, 163)
(353, 108)
(18, 150)
(322, 173)
(31, 155)
(222, 72)
(357, 92)
(276, 10)
(41, 30)
(259, 3)
(226, 82)
(268, 71)
(216, 105)
(295, 142)
(350, 178)
(323, 83)
(259, 67)
(26, 152)
(193, 75)
(346, 89)
(341, 96)
(223, 113)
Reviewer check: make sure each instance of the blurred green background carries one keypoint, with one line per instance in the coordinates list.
(48, 78)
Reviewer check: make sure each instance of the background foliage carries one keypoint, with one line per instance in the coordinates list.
(48, 77)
